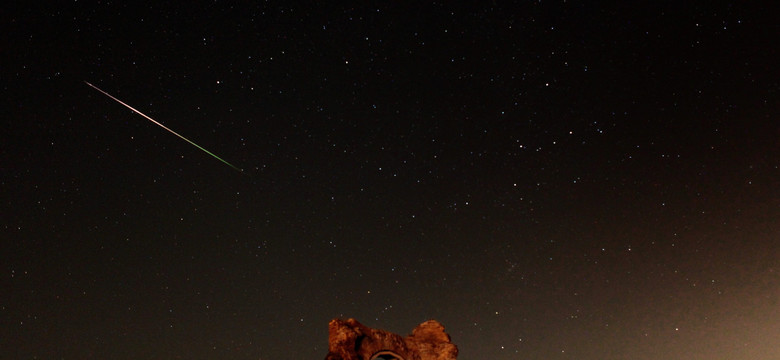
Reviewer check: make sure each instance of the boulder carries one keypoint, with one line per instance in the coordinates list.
(351, 340)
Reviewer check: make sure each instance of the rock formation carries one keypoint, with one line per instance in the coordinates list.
(351, 340)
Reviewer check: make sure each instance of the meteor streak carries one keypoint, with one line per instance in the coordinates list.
(164, 127)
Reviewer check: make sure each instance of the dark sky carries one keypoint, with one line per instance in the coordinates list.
(549, 179)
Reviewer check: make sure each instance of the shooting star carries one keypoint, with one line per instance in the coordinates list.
(164, 127)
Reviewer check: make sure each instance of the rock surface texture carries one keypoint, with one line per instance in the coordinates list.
(351, 340)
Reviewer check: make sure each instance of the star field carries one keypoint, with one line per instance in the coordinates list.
(548, 179)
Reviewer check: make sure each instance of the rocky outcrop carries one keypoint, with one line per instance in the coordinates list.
(351, 340)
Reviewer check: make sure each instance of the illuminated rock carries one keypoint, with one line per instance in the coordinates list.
(351, 340)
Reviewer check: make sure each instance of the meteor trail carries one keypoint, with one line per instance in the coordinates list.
(164, 127)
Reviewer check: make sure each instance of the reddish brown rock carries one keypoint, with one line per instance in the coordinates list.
(351, 340)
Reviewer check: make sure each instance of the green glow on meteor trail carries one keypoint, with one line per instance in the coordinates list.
(164, 127)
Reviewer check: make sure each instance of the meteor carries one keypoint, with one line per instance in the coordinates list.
(164, 127)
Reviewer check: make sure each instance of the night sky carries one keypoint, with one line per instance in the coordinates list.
(548, 179)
